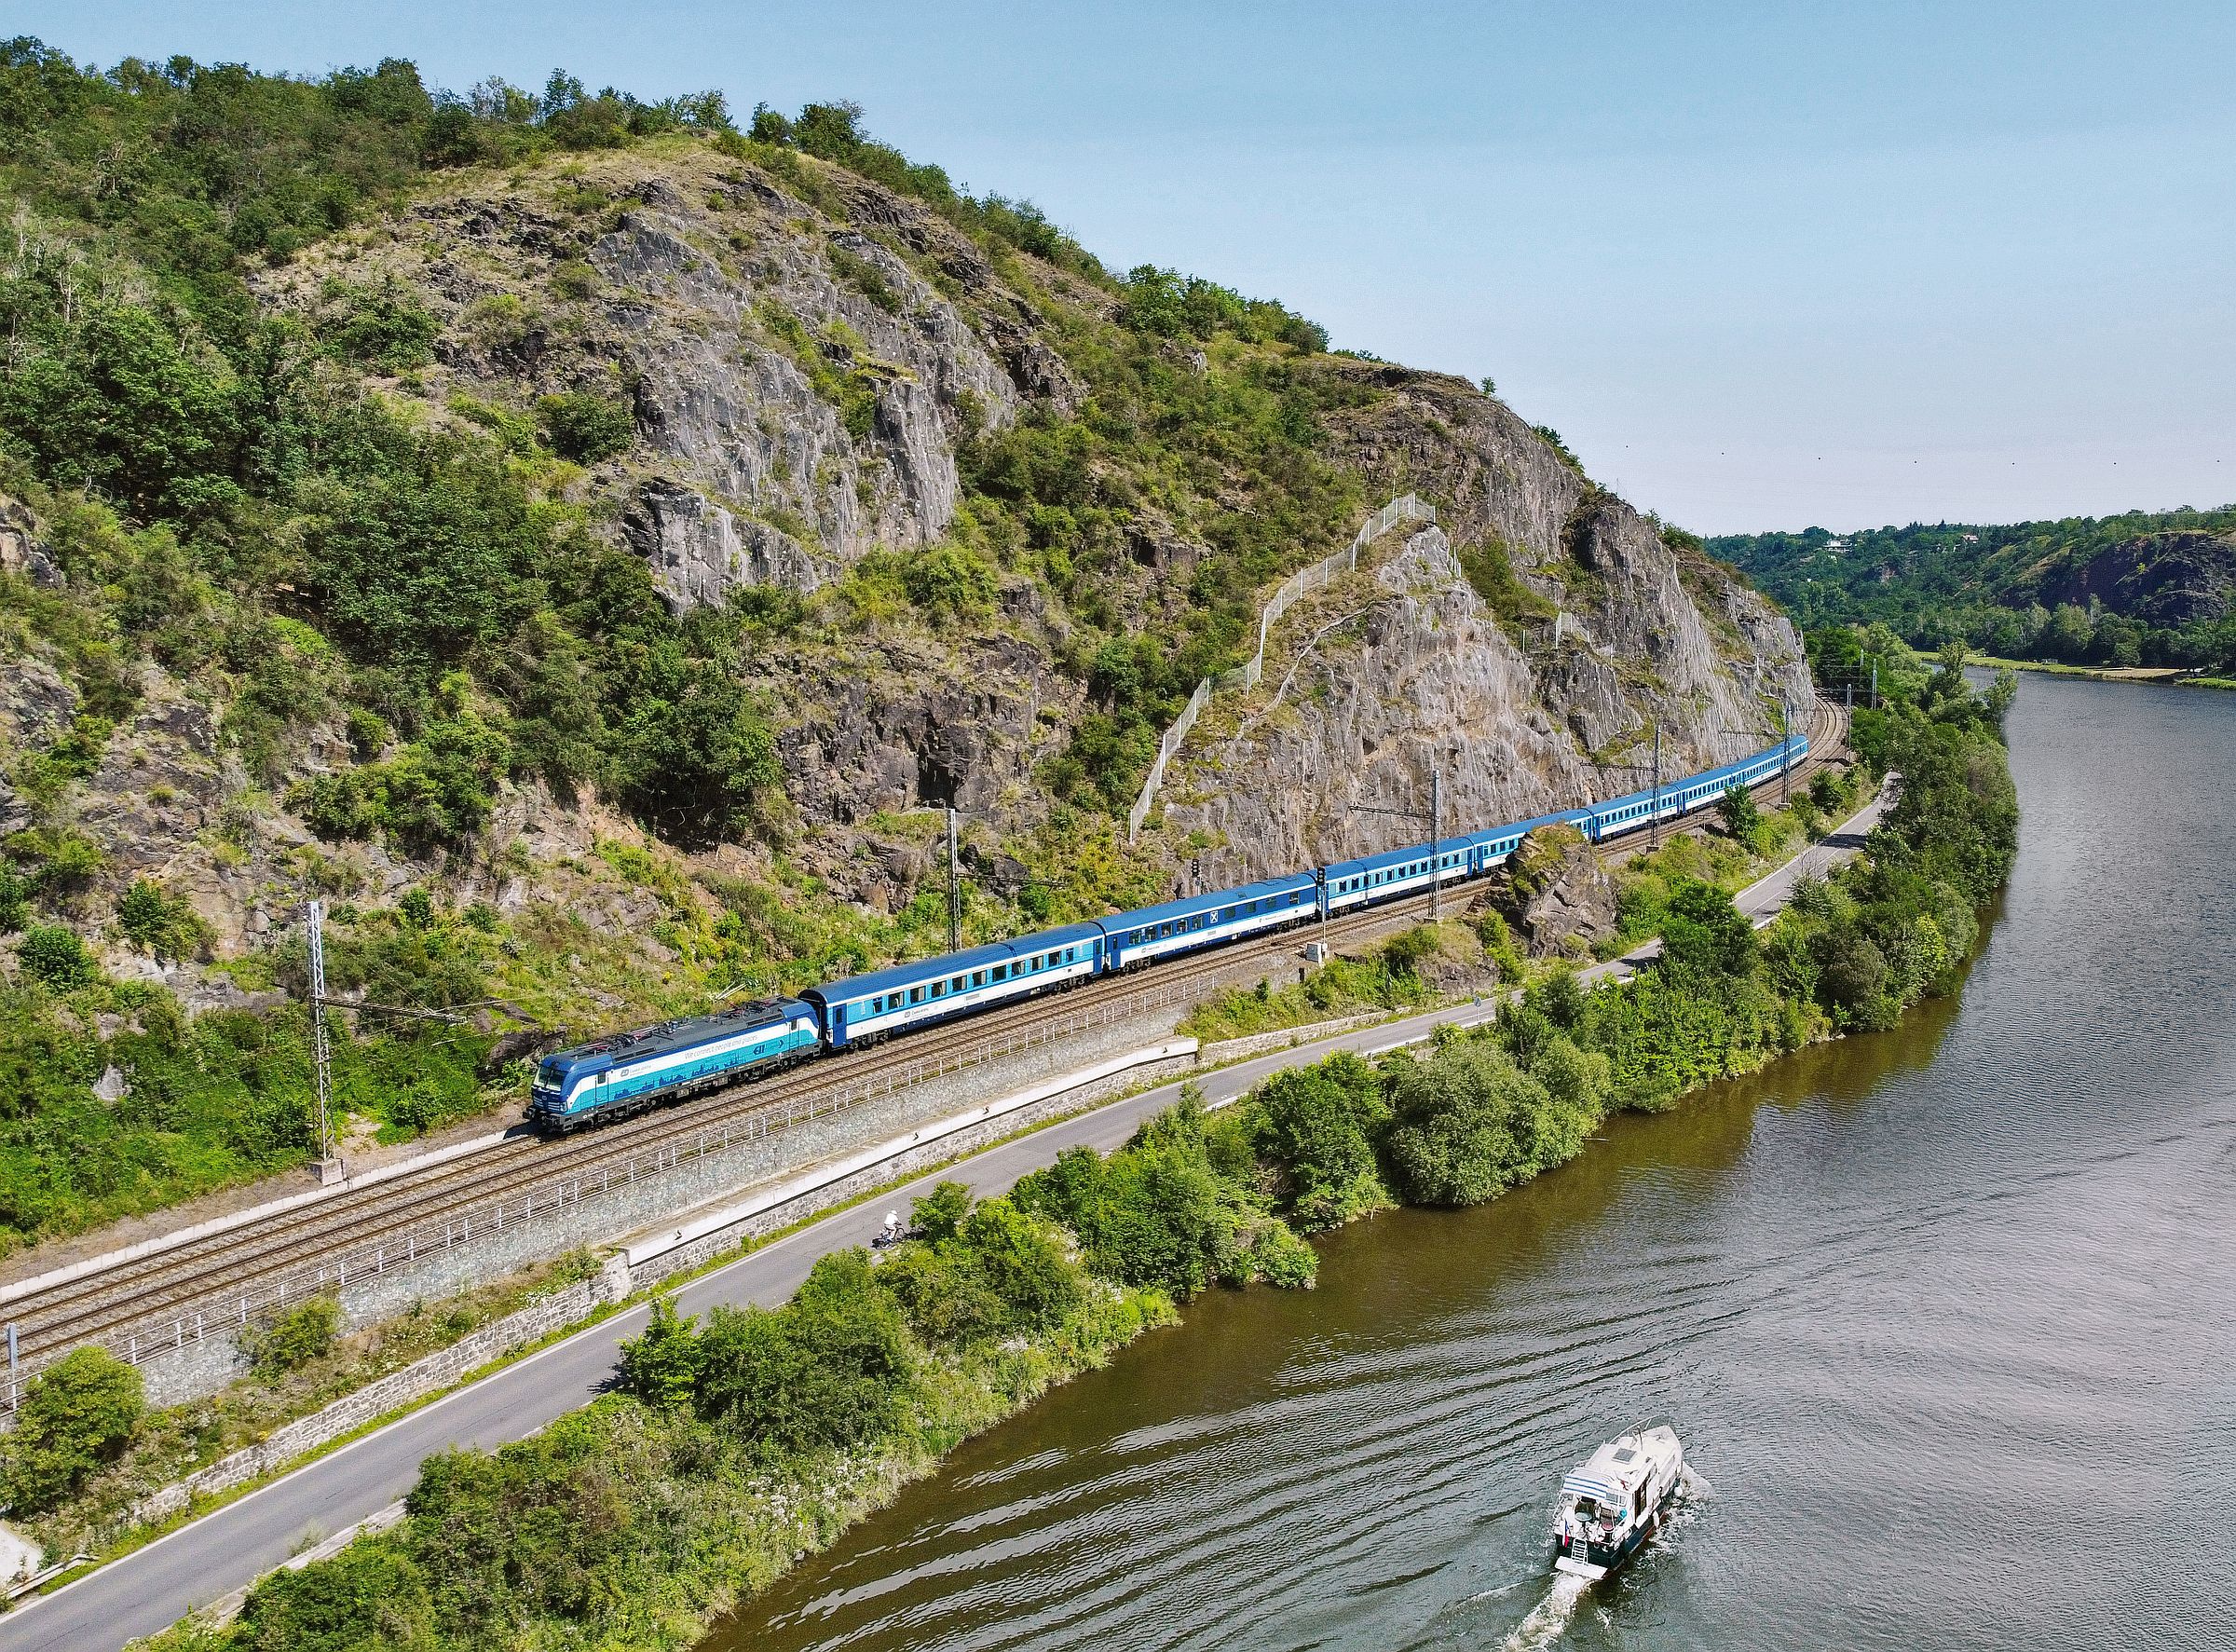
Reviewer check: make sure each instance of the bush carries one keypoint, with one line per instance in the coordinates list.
(1468, 1123)
(364, 1596)
(661, 1366)
(302, 1334)
(830, 1367)
(78, 1413)
(937, 1214)
(948, 579)
(1023, 1262)
(586, 428)
(55, 958)
(1741, 818)
(1319, 1125)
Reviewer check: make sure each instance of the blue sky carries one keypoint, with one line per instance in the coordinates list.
(1762, 266)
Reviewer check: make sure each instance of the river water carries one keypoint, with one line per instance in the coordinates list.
(1943, 1317)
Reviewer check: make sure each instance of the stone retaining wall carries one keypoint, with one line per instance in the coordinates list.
(352, 1411)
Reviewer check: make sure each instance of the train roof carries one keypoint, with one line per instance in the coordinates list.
(1394, 857)
(1189, 905)
(872, 983)
(659, 1039)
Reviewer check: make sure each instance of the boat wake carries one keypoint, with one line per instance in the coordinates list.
(1551, 1616)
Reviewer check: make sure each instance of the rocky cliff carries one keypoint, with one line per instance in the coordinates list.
(1536, 684)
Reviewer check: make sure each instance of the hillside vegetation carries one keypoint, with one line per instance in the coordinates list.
(584, 537)
(2143, 589)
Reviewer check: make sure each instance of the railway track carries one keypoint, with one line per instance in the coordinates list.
(221, 1281)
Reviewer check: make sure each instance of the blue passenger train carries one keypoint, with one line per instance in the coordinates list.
(615, 1077)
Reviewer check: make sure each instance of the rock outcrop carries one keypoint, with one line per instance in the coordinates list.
(1387, 679)
(1556, 893)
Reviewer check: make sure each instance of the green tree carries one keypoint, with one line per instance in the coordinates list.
(828, 1369)
(302, 1334)
(79, 1413)
(587, 428)
(1320, 1127)
(1468, 1123)
(937, 1214)
(1741, 818)
(1702, 930)
(1023, 1262)
(660, 1367)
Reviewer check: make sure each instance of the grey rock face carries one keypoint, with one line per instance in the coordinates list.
(1379, 683)
(21, 550)
(1557, 894)
(699, 551)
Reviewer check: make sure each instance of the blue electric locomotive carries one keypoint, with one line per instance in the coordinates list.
(614, 1077)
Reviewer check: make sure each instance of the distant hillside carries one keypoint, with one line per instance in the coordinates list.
(2139, 589)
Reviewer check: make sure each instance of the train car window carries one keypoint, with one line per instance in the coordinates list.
(939, 989)
(916, 995)
(978, 979)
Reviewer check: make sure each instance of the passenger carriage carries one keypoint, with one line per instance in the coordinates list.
(1132, 940)
(629, 1072)
(863, 1009)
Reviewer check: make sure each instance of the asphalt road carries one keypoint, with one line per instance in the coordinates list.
(152, 1587)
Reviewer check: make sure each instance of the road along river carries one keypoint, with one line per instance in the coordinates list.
(1947, 1318)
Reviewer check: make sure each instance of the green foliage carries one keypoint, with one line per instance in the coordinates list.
(1703, 930)
(828, 1369)
(386, 329)
(1467, 1123)
(939, 1213)
(1320, 1125)
(76, 1414)
(1489, 568)
(1742, 819)
(55, 958)
(587, 428)
(949, 581)
(362, 1597)
(661, 1366)
(2115, 591)
(302, 1334)
(158, 921)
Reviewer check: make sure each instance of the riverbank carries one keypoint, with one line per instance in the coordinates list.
(2171, 676)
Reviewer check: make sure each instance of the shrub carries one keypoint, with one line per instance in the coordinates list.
(1469, 1124)
(364, 1596)
(77, 1414)
(948, 579)
(1319, 1125)
(302, 1334)
(55, 958)
(827, 1368)
(1741, 818)
(661, 1366)
(586, 428)
(938, 1214)
(1023, 1262)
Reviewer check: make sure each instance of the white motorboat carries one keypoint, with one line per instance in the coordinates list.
(1616, 1501)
